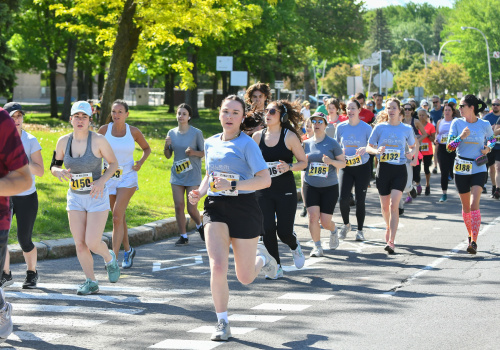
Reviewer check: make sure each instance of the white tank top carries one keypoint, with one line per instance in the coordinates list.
(444, 129)
(123, 147)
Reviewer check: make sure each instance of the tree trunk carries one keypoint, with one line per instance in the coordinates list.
(307, 83)
(171, 106)
(224, 83)
(192, 95)
(215, 84)
(169, 91)
(127, 39)
(53, 92)
(100, 78)
(70, 67)
(80, 84)
(89, 83)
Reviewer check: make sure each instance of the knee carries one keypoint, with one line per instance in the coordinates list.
(81, 245)
(218, 268)
(118, 219)
(344, 201)
(26, 245)
(179, 206)
(313, 218)
(92, 244)
(245, 279)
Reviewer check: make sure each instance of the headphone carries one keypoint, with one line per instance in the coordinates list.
(284, 114)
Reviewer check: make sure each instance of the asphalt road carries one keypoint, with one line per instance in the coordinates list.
(430, 295)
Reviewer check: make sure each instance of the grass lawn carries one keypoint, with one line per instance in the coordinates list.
(152, 202)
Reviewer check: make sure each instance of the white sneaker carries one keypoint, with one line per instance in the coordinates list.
(222, 331)
(271, 266)
(360, 236)
(5, 319)
(298, 257)
(345, 229)
(278, 275)
(334, 239)
(316, 252)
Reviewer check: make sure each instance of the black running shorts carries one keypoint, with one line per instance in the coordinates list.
(323, 197)
(391, 177)
(465, 182)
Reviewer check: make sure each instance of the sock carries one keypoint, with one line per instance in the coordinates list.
(130, 250)
(184, 235)
(263, 259)
(318, 244)
(467, 221)
(222, 316)
(475, 223)
(198, 226)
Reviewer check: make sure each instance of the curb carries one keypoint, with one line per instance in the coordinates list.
(147, 233)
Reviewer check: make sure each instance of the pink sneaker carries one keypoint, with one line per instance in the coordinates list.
(408, 199)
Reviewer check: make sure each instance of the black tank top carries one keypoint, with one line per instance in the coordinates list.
(415, 130)
(284, 182)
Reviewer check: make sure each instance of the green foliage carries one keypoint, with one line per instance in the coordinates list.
(335, 81)
(7, 73)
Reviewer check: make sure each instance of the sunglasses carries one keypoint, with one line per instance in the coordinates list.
(495, 104)
(370, 105)
(271, 111)
(408, 109)
(434, 102)
(317, 121)
(462, 106)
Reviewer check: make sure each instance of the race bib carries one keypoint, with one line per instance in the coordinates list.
(273, 168)
(117, 175)
(81, 182)
(463, 167)
(229, 177)
(444, 139)
(318, 169)
(424, 147)
(182, 166)
(390, 156)
(353, 160)
(498, 138)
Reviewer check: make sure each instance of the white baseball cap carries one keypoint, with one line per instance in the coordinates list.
(81, 106)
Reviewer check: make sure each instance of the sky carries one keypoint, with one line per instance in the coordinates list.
(371, 4)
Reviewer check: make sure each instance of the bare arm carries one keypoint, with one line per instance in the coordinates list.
(420, 128)
(36, 165)
(261, 180)
(167, 150)
(16, 181)
(56, 170)
(141, 141)
(293, 143)
(103, 129)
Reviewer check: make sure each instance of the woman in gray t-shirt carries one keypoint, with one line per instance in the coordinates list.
(186, 143)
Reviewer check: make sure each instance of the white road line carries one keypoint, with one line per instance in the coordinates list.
(305, 296)
(307, 265)
(281, 307)
(94, 297)
(157, 265)
(76, 309)
(210, 330)
(56, 321)
(255, 318)
(186, 344)
(36, 336)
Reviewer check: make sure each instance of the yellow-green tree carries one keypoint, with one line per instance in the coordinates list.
(452, 77)
(335, 81)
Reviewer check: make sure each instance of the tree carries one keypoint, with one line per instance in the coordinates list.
(335, 80)
(7, 73)
(451, 76)
(380, 36)
(416, 29)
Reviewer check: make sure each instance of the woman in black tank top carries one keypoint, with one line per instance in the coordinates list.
(279, 143)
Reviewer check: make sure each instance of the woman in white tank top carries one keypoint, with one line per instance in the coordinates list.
(123, 184)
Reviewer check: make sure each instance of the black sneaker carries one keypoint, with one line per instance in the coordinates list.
(6, 279)
(496, 195)
(413, 192)
(472, 248)
(434, 171)
(427, 190)
(201, 231)
(484, 190)
(31, 279)
(303, 213)
(182, 241)
(401, 211)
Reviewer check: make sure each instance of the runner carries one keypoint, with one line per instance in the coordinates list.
(426, 147)
(257, 97)
(388, 141)
(25, 204)
(186, 143)
(494, 156)
(446, 159)
(123, 184)
(82, 153)
(235, 169)
(15, 178)
(333, 107)
(308, 134)
(279, 143)
(353, 135)
(321, 189)
(468, 136)
(436, 115)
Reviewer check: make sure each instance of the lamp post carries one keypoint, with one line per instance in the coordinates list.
(423, 48)
(441, 49)
(380, 71)
(487, 53)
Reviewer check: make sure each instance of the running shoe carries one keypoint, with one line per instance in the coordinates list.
(303, 213)
(316, 252)
(389, 247)
(472, 248)
(5, 319)
(113, 268)
(298, 257)
(496, 195)
(484, 190)
(278, 275)
(419, 190)
(271, 266)
(450, 178)
(128, 258)
(334, 239)
(343, 232)
(201, 231)
(413, 192)
(469, 239)
(182, 241)
(443, 198)
(401, 211)
(408, 199)
(31, 279)
(352, 202)
(6, 279)
(88, 287)
(360, 236)
(427, 190)
(435, 171)
(222, 331)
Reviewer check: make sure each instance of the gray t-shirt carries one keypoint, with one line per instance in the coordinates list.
(31, 146)
(316, 169)
(395, 138)
(353, 137)
(186, 171)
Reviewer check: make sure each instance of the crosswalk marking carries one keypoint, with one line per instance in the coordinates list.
(35, 336)
(305, 296)
(56, 321)
(186, 344)
(255, 318)
(94, 297)
(76, 309)
(307, 265)
(210, 330)
(281, 307)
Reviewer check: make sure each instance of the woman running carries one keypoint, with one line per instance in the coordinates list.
(307, 135)
(426, 147)
(82, 153)
(388, 141)
(235, 169)
(353, 135)
(123, 184)
(25, 204)
(468, 136)
(279, 143)
(321, 185)
(333, 107)
(257, 98)
(186, 143)
(446, 159)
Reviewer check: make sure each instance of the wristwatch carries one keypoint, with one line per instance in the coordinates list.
(290, 166)
(233, 186)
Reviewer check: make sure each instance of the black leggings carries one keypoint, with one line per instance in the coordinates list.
(427, 163)
(25, 208)
(416, 172)
(278, 209)
(359, 176)
(446, 160)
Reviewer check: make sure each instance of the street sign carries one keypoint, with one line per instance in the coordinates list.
(224, 63)
(496, 54)
(354, 85)
(387, 80)
(376, 55)
(239, 78)
(370, 62)
(279, 84)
